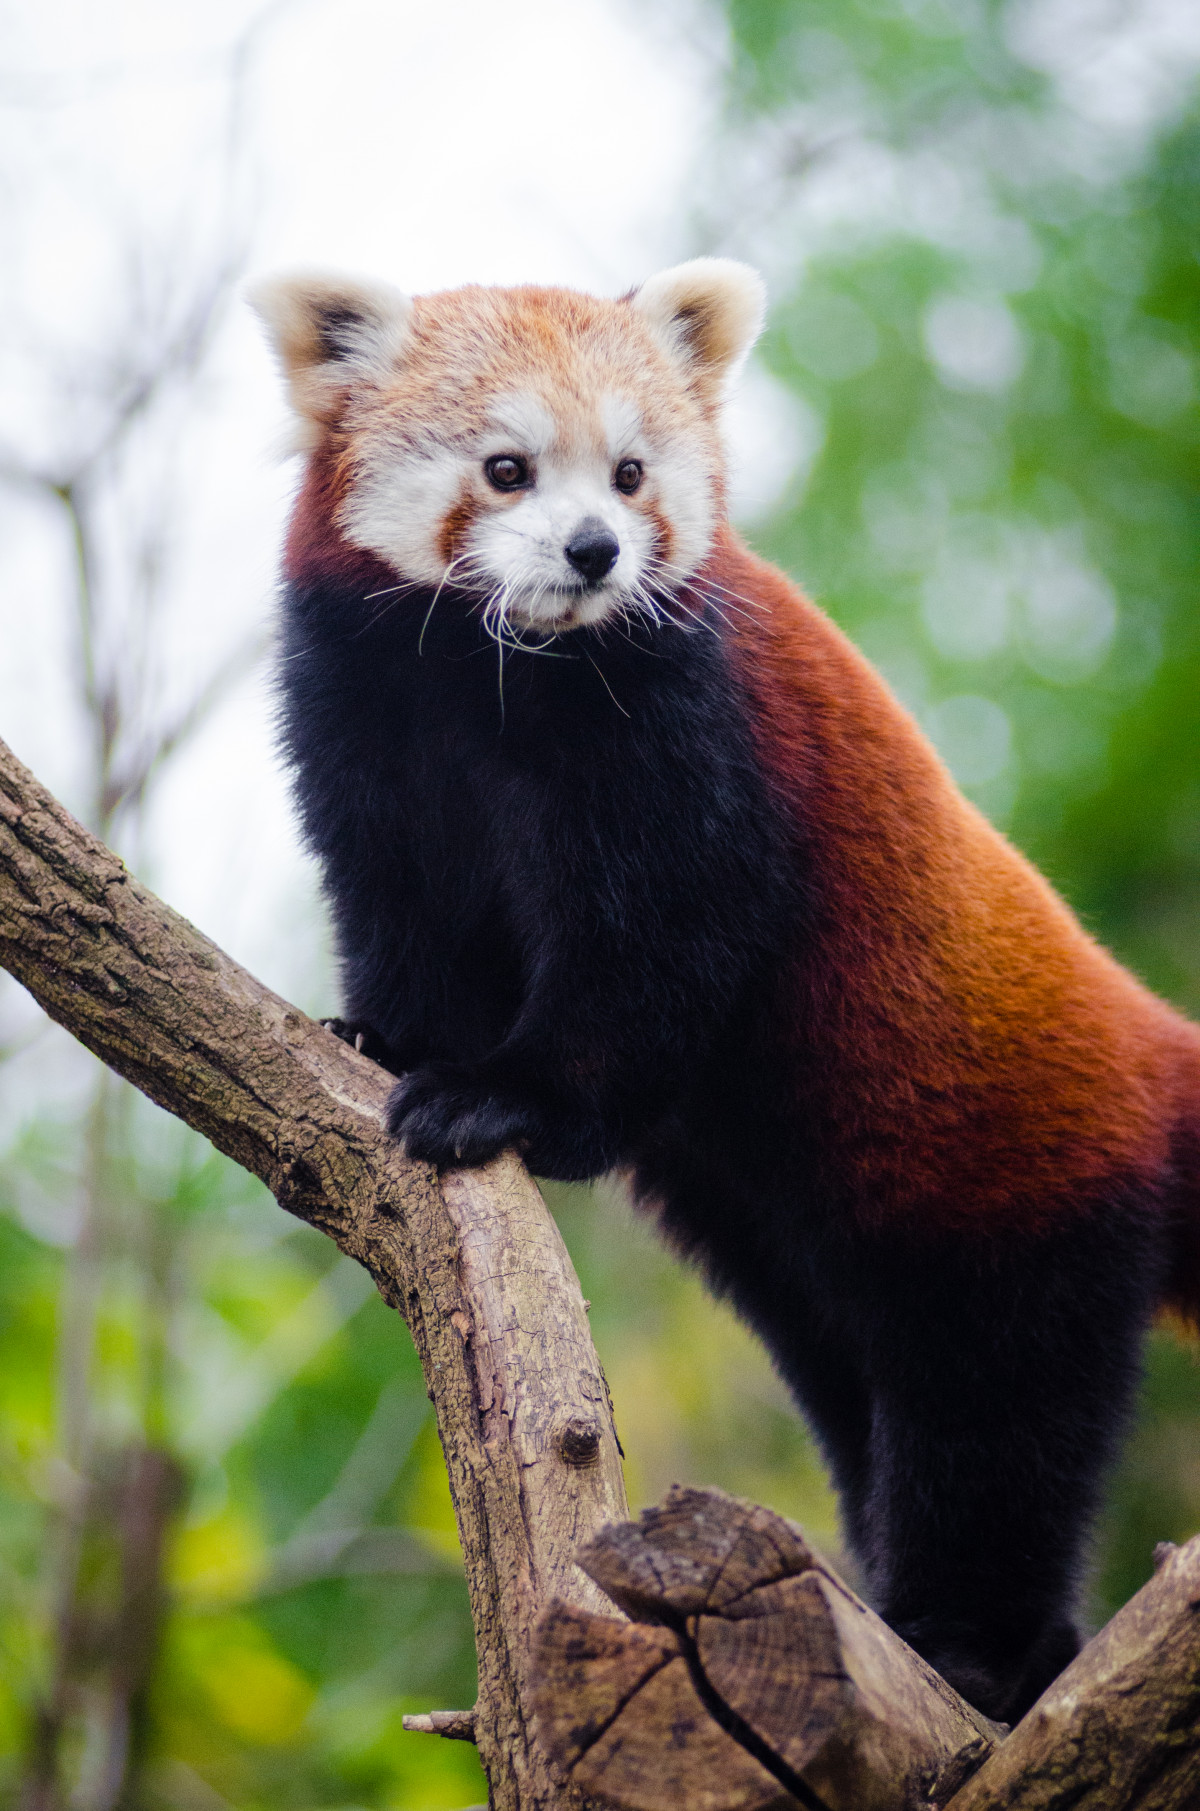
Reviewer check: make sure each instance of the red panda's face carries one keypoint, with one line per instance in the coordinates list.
(556, 455)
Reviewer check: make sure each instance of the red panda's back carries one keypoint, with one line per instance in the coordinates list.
(969, 1054)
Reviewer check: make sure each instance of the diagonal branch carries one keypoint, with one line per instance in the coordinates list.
(473, 1263)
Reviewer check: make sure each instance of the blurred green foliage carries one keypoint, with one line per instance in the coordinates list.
(985, 245)
(1000, 365)
(314, 1588)
(985, 310)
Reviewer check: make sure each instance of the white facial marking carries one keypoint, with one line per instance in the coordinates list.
(523, 424)
(522, 549)
(623, 426)
(397, 506)
(511, 550)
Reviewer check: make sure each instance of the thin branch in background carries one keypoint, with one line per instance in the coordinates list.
(126, 789)
(118, 1499)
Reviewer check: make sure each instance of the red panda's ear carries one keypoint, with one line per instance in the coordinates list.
(708, 313)
(330, 332)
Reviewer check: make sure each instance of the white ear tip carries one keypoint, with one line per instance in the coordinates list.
(724, 276)
(293, 294)
(287, 289)
(329, 331)
(745, 291)
(710, 309)
(260, 292)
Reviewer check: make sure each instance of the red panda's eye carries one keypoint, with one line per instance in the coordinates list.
(628, 476)
(507, 472)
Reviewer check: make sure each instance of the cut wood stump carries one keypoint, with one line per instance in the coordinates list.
(750, 1676)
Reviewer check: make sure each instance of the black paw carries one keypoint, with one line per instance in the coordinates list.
(459, 1118)
(446, 1118)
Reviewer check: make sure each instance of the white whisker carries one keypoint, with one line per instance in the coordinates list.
(463, 559)
(609, 690)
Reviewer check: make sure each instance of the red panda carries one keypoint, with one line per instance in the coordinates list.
(636, 864)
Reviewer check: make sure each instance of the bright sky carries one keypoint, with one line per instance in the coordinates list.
(427, 145)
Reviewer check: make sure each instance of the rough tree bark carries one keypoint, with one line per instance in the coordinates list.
(749, 1678)
(474, 1263)
(1119, 1730)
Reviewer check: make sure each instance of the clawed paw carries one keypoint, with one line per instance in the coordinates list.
(457, 1119)
(361, 1036)
(364, 1038)
(445, 1118)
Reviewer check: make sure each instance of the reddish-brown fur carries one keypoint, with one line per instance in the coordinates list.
(456, 525)
(467, 346)
(980, 1060)
(314, 548)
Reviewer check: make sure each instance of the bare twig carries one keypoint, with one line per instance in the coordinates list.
(455, 1725)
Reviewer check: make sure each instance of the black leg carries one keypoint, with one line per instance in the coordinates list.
(832, 1393)
(1000, 1386)
(970, 1559)
(786, 1287)
(780, 1271)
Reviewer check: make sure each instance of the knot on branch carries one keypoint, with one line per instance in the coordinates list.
(749, 1676)
(579, 1440)
(297, 1187)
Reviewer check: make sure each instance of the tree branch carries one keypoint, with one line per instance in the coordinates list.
(749, 1678)
(1119, 1730)
(473, 1263)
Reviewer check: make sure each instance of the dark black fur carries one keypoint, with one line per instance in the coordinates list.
(563, 904)
(553, 886)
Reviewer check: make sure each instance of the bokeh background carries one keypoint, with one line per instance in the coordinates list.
(227, 1556)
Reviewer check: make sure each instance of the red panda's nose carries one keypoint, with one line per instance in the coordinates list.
(593, 550)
